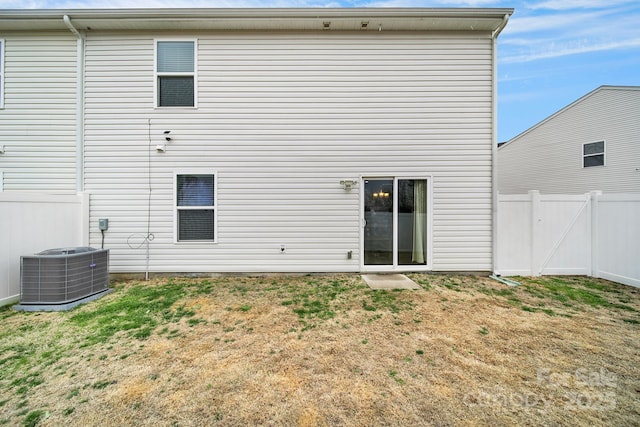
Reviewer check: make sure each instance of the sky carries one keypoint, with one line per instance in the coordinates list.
(551, 53)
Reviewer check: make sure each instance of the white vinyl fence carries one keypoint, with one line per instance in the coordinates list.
(31, 223)
(591, 234)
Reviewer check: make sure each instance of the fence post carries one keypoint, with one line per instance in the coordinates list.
(534, 195)
(85, 226)
(595, 195)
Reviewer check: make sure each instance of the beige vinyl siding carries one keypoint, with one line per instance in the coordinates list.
(282, 118)
(37, 124)
(549, 157)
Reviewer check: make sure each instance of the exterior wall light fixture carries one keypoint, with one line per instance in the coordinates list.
(348, 184)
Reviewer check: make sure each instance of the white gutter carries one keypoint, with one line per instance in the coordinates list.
(79, 104)
(259, 19)
(494, 147)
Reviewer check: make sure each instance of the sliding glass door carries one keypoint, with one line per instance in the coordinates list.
(396, 223)
(378, 217)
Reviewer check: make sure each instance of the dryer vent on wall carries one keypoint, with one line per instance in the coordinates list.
(60, 276)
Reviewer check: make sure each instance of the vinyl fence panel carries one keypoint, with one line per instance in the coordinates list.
(588, 234)
(32, 223)
(514, 235)
(618, 235)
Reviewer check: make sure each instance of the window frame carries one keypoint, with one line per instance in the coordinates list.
(2, 76)
(157, 75)
(177, 208)
(603, 154)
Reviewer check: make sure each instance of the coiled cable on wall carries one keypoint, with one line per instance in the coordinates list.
(143, 239)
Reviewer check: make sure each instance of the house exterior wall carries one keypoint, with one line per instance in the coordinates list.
(37, 123)
(548, 157)
(281, 118)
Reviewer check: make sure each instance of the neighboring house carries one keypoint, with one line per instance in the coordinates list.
(592, 144)
(256, 140)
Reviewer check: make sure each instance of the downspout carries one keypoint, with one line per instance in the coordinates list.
(79, 104)
(494, 146)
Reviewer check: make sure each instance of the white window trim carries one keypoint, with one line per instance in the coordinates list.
(604, 154)
(2, 77)
(176, 207)
(194, 74)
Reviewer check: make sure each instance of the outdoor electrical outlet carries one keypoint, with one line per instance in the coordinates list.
(103, 224)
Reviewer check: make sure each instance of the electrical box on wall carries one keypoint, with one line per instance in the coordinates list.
(103, 224)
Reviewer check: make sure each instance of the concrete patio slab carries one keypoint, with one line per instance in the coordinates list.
(389, 281)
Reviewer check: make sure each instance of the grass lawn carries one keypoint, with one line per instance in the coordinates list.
(327, 350)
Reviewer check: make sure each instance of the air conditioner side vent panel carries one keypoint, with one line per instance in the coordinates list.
(60, 276)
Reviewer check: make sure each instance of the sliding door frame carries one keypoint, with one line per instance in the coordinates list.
(395, 267)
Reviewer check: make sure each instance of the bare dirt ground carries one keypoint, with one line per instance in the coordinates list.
(325, 351)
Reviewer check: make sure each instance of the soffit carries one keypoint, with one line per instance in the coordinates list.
(409, 19)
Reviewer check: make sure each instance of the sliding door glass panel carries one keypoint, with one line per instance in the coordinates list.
(378, 215)
(412, 222)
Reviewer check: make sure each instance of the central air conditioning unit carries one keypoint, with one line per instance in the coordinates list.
(63, 276)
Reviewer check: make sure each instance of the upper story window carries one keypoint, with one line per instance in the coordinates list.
(175, 73)
(1, 73)
(195, 207)
(593, 154)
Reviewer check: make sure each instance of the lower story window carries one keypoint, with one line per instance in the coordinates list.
(175, 91)
(195, 207)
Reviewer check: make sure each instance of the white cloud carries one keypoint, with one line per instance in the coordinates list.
(562, 21)
(555, 51)
(561, 33)
(576, 4)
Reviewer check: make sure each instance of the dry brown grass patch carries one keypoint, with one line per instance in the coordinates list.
(326, 350)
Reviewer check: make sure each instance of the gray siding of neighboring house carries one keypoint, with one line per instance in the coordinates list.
(548, 157)
(282, 117)
(37, 123)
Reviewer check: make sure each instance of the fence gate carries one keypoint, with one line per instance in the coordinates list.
(569, 234)
(544, 234)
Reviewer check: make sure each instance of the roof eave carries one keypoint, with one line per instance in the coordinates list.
(342, 19)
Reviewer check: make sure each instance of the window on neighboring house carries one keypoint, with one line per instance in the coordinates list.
(1, 73)
(175, 73)
(593, 154)
(195, 207)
